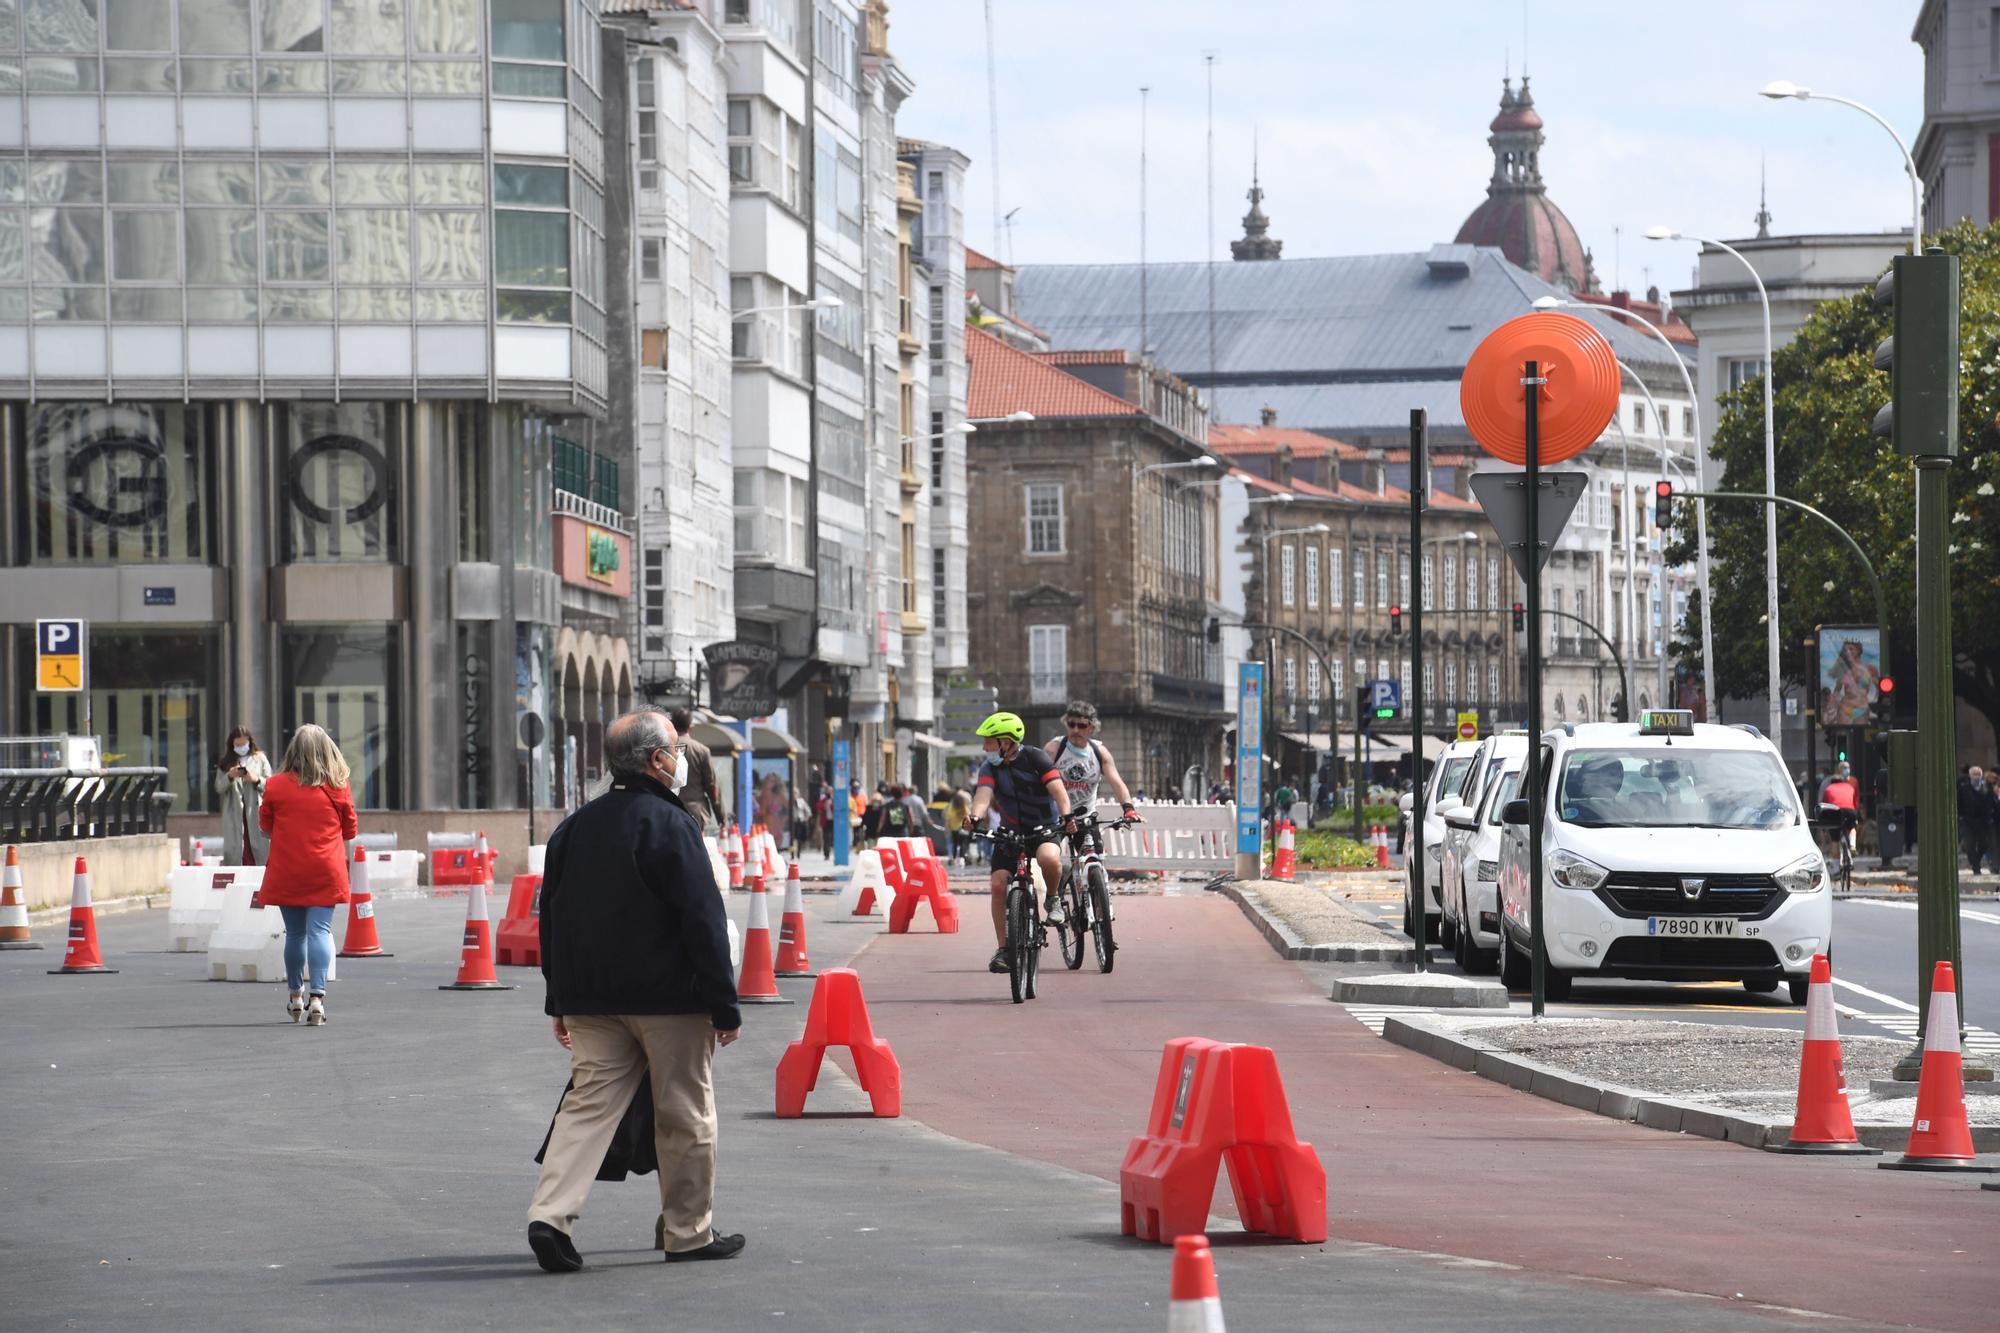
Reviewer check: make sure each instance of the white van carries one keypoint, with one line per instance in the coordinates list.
(1472, 868)
(1671, 850)
(1447, 776)
(1487, 760)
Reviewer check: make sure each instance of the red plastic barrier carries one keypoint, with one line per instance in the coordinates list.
(459, 867)
(519, 937)
(839, 1017)
(1215, 1103)
(923, 879)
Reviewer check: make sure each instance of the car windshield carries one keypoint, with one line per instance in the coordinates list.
(1454, 769)
(1502, 794)
(1677, 787)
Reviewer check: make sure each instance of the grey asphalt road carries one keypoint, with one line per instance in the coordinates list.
(179, 1155)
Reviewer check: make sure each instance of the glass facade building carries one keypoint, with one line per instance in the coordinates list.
(300, 303)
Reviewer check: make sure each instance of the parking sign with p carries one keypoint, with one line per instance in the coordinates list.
(59, 654)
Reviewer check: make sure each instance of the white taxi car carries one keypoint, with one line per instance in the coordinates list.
(1487, 760)
(1446, 777)
(1472, 867)
(1671, 850)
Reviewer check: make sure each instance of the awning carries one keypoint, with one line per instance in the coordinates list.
(1385, 746)
(770, 741)
(1317, 740)
(925, 738)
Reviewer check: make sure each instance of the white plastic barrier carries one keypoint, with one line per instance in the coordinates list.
(394, 872)
(866, 872)
(1177, 836)
(718, 864)
(194, 904)
(540, 850)
(249, 942)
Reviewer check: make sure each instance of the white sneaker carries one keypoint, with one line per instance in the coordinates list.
(316, 1011)
(1053, 912)
(295, 1007)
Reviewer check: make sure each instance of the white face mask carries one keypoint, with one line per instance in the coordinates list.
(680, 772)
(242, 748)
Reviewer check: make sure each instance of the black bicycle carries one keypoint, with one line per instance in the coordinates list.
(1026, 930)
(1840, 823)
(1085, 893)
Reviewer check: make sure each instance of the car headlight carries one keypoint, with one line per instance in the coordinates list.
(1805, 875)
(1434, 853)
(1571, 871)
(1487, 871)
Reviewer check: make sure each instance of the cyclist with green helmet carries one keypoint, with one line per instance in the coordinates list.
(1022, 785)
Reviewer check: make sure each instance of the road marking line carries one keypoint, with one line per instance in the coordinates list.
(1965, 912)
(1889, 1000)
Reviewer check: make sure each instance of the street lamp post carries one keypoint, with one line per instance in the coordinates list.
(1777, 709)
(1701, 506)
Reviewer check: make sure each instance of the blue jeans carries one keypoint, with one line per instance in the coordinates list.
(308, 934)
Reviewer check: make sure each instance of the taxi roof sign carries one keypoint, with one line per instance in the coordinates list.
(1666, 722)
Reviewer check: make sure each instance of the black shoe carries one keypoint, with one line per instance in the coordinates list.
(719, 1247)
(554, 1250)
(998, 963)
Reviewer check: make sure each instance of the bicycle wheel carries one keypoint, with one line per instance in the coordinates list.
(1071, 930)
(1019, 922)
(1100, 915)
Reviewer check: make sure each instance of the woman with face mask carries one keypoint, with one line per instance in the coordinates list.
(240, 776)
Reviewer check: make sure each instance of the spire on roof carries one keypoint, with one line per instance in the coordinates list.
(1257, 242)
(1763, 209)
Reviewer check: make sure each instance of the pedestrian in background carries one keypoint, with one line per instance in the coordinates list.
(240, 775)
(697, 789)
(958, 822)
(1977, 808)
(309, 814)
(635, 952)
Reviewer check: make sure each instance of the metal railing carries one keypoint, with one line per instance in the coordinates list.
(57, 804)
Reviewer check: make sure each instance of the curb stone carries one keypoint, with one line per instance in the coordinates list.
(1287, 944)
(130, 902)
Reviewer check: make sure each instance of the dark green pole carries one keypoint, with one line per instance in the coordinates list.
(1419, 483)
(1531, 384)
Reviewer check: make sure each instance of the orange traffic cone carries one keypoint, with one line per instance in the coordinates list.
(792, 958)
(1822, 1122)
(475, 968)
(1380, 837)
(1195, 1306)
(1285, 858)
(361, 940)
(732, 852)
(756, 982)
(82, 955)
(1940, 1136)
(13, 906)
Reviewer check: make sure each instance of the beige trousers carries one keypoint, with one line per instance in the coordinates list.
(609, 1054)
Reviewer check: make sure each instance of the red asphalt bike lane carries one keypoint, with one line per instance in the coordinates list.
(1417, 1155)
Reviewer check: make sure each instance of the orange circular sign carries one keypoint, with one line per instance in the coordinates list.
(1577, 402)
(1468, 731)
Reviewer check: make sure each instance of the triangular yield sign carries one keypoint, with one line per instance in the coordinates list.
(1504, 497)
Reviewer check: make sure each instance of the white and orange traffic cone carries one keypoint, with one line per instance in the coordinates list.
(14, 932)
(756, 980)
(361, 940)
(1380, 837)
(475, 966)
(1286, 857)
(82, 956)
(1822, 1121)
(793, 960)
(732, 852)
(1195, 1306)
(1940, 1134)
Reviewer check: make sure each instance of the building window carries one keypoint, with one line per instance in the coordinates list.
(1428, 580)
(113, 483)
(649, 259)
(1493, 681)
(531, 249)
(1739, 371)
(1687, 422)
(937, 588)
(647, 100)
(1287, 586)
(1601, 501)
(1472, 582)
(1333, 576)
(340, 464)
(344, 679)
(1430, 683)
(1312, 578)
(1339, 683)
(769, 323)
(1403, 583)
(1360, 580)
(1492, 583)
(1048, 664)
(1451, 581)
(1381, 581)
(527, 46)
(1450, 680)
(1639, 418)
(1312, 685)
(937, 324)
(1405, 674)
(1045, 517)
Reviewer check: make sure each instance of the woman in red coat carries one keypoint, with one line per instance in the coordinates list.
(309, 815)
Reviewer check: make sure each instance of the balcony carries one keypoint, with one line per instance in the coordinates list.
(1181, 695)
(591, 511)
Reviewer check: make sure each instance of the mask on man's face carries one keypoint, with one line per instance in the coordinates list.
(680, 771)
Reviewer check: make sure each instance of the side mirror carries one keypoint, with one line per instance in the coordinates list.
(1404, 802)
(1447, 804)
(1458, 819)
(1514, 812)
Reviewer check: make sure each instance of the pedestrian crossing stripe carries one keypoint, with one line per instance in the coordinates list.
(1907, 1025)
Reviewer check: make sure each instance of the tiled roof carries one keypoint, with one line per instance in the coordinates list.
(1074, 356)
(1390, 495)
(1669, 323)
(1255, 441)
(1004, 380)
(1295, 487)
(973, 259)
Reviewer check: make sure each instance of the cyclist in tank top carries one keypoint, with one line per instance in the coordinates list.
(1085, 763)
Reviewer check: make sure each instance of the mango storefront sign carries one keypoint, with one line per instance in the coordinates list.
(589, 556)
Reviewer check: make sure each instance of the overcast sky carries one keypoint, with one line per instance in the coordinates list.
(1372, 118)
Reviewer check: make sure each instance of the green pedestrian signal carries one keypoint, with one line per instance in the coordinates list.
(1921, 354)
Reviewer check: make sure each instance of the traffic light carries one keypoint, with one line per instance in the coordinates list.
(1362, 712)
(1214, 630)
(1663, 505)
(1520, 619)
(1395, 622)
(1920, 354)
(1884, 704)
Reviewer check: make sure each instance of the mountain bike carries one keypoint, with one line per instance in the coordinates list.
(1085, 894)
(1026, 931)
(1842, 821)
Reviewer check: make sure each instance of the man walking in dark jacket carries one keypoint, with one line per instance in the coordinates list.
(635, 950)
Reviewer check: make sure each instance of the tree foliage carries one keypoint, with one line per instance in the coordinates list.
(1827, 391)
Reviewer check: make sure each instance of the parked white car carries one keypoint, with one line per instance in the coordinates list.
(1671, 850)
(1487, 759)
(1446, 777)
(1472, 869)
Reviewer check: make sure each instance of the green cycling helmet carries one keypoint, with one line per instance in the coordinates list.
(1007, 725)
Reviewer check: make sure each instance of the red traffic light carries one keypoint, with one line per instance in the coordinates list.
(1886, 685)
(1664, 489)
